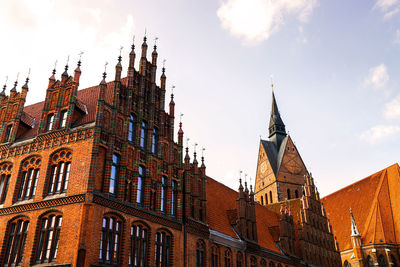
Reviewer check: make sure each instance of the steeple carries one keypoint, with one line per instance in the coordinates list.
(277, 130)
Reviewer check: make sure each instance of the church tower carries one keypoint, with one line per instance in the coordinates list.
(280, 169)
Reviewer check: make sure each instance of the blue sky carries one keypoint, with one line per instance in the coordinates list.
(334, 64)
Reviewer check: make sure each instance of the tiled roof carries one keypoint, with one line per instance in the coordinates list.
(221, 200)
(375, 203)
(86, 100)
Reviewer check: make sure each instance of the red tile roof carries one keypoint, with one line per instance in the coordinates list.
(221, 200)
(375, 202)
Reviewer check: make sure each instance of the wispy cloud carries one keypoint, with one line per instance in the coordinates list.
(377, 77)
(378, 133)
(389, 8)
(392, 109)
(256, 20)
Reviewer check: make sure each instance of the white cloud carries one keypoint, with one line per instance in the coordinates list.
(41, 31)
(378, 76)
(392, 109)
(379, 132)
(256, 20)
(388, 7)
(397, 37)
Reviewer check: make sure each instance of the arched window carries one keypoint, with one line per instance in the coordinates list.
(393, 260)
(17, 231)
(200, 253)
(154, 142)
(270, 196)
(288, 194)
(60, 164)
(228, 258)
(262, 200)
(163, 198)
(63, 119)
(239, 260)
(49, 235)
(163, 249)
(266, 198)
(143, 136)
(140, 186)
(382, 261)
(271, 264)
(5, 174)
(139, 245)
(29, 176)
(131, 129)
(8, 133)
(253, 261)
(49, 122)
(370, 261)
(110, 240)
(263, 263)
(346, 264)
(214, 256)
(296, 193)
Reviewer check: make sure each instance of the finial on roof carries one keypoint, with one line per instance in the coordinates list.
(66, 68)
(194, 150)
(180, 117)
(145, 36)
(104, 73)
(3, 93)
(172, 91)
(120, 54)
(25, 86)
(155, 43)
(133, 45)
(240, 181)
(80, 58)
(272, 83)
(14, 89)
(202, 156)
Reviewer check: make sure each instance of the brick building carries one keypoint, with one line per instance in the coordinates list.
(93, 177)
(368, 235)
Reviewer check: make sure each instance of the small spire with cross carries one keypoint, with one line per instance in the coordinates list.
(66, 68)
(55, 67)
(120, 54)
(25, 86)
(3, 93)
(155, 43)
(80, 58)
(14, 89)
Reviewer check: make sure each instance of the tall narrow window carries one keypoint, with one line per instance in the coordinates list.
(8, 133)
(49, 122)
(263, 263)
(200, 254)
(239, 260)
(288, 194)
(266, 198)
(59, 172)
(214, 256)
(228, 258)
(5, 174)
(154, 142)
(29, 178)
(163, 249)
(143, 136)
(174, 201)
(110, 240)
(49, 236)
(270, 196)
(163, 194)
(262, 200)
(17, 230)
(138, 252)
(131, 129)
(114, 175)
(296, 193)
(140, 186)
(63, 118)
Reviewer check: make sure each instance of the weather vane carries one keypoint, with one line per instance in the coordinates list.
(202, 152)
(29, 72)
(155, 41)
(55, 64)
(172, 89)
(187, 142)
(6, 81)
(194, 147)
(240, 174)
(67, 60)
(163, 63)
(80, 55)
(105, 67)
(180, 117)
(120, 50)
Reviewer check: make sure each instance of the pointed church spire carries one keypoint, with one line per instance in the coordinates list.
(277, 130)
(354, 229)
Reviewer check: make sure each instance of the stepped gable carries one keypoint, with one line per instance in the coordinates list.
(375, 204)
(221, 200)
(86, 102)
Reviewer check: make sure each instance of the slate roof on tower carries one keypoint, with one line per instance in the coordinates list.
(375, 203)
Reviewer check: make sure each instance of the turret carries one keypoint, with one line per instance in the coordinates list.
(118, 68)
(180, 135)
(132, 57)
(52, 78)
(143, 59)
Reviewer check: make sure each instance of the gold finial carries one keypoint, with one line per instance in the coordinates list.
(272, 82)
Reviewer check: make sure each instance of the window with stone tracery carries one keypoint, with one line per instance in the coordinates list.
(17, 232)
(29, 175)
(60, 166)
(110, 240)
(139, 245)
(5, 174)
(49, 235)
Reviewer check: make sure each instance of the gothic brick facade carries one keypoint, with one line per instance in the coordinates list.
(93, 177)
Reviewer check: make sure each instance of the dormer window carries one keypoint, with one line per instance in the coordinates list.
(8, 133)
(63, 118)
(50, 121)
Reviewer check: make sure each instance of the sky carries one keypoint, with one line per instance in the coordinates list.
(334, 64)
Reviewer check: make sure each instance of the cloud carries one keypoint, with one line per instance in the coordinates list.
(388, 7)
(392, 109)
(378, 76)
(256, 20)
(397, 37)
(379, 132)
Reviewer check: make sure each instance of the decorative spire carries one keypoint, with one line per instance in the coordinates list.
(354, 229)
(202, 156)
(187, 158)
(195, 154)
(155, 45)
(65, 73)
(104, 74)
(163, 68)
(14, 89)
(245, 184)
(25, 86)
(133, 46)
(277, 130)
(180, 131)
(3, 92)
